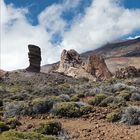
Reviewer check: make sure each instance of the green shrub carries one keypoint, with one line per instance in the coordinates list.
(107, 101)
(66, 109)
(131, 115)
(14, 135)
(13, 122)
(3, 127)
(98, 98)
(89, 100)
(15, 89)
(16, 108)
(50, 128)
(113, 117)
(135, 97)
(64, 97)
(40, 105)
(55, 99)
(75, 98)
(86, 109)
(71, 109)
(118, 102)
(125, 94)
(80, 95)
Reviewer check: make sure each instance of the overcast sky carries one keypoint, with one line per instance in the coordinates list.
(55, 25)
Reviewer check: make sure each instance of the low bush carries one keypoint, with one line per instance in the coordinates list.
(118, 102)
(64, 97)
(3, 127)
(71, 109)
(131, 115)
(74, 98)
(50, 128)
(13, 122)
(86, 109)
(107, 101)
(14, 135)
(113, 117)
(125, 94)
(66, 109)
(41, 105)
(135, 97)
(98, 99)
(16, 108)
(80, 95)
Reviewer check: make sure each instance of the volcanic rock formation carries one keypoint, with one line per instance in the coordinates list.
(34, 58)
(127, 72)
(73, 65)
(69, 59)
(96, 66)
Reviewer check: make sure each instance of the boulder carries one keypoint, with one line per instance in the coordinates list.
(127, 72)
(34, 58)
(96, 65)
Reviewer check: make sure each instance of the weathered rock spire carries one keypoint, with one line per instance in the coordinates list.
(34, 58)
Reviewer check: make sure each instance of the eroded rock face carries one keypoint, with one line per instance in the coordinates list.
(69, 59)
(127, 72)
(34, 58)
(96, 65)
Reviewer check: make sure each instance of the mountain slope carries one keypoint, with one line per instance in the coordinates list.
(123, 48)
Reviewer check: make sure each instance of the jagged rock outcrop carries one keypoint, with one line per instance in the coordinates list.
(96, 66)
(34, 58)
(69, 59)
(93, 68)
(127, 72)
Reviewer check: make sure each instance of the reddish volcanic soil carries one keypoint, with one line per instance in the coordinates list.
(89, 127)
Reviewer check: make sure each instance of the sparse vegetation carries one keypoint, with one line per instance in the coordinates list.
(125, 94)
(71, 109)
(113, 117)
(14, 135)
(3, 126)
(51, 127)
(47, 97)
(98, 98)
(135, 97)
(13, 122)
(131, 115)
(41, 105)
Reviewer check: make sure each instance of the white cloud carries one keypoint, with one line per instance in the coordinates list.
(104, 21)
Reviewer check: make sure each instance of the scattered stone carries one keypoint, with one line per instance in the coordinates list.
(127, 72)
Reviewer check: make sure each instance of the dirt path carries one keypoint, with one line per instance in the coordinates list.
(80, 129)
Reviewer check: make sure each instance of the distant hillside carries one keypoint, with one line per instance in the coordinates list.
(129, 48)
